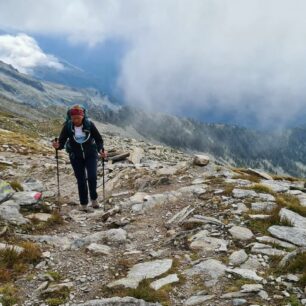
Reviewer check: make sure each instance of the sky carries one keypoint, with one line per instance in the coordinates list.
(234, 61)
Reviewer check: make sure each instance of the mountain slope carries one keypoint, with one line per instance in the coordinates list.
(27, 90)
(283, 152)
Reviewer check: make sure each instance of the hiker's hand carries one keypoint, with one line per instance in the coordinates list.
(55, 144)
(103, 154)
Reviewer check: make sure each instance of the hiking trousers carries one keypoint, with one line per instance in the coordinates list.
(85, 167)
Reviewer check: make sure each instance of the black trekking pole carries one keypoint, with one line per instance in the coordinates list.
(103, 178)
(57, 170)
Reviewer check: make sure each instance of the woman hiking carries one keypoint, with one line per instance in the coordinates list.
(83, 142)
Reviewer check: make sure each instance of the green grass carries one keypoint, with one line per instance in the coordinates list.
(228, 189)
(9, 295)
(261, 188)
(143, 291)
(57, 297)
(296, 265)
(55, 275)
(294, 301)
(16, 185)
(292, 203)
(13, 263)
(261, 226)
(37, 227)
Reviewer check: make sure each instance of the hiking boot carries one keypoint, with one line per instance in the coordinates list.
(85, 208)
(94, 204)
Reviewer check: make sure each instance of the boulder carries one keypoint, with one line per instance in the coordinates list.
(142, 271)
(169, 279)
(201, 241)
(26, 198)
(6, 191)
(9, 211)
(294, 235)
(211, 269)
(238, 257)
(201, 160)
(241, 233)
(117, 301)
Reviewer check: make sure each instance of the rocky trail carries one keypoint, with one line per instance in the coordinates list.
(175, 229)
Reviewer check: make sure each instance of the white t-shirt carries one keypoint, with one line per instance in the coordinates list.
(79, 135)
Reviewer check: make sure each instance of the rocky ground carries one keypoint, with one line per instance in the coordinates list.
(174, 229)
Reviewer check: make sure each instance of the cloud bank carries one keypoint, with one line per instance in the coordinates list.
(23, 52)
(246, 58)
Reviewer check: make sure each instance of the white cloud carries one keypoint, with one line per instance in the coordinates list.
(244, 57)
(23, 52)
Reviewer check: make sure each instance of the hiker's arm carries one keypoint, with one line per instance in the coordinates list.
(63, 138)
(97, 137)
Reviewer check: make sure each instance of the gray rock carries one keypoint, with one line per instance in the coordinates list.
(64, 243)
(53, 288)
(263, 294)
(259, 217)
(25, 198)
(198, 300)
(169, 279)
(241, 233)
(200, 220)
(244, 193)
(141, 201)
(251, 264)
(260, 173)
(238, 302)
(247, 193)
(42, 287)
(136, 155)
(99, 249)
(266, 197)
(6, 191)
(201, 160)
(294, 235)
(117, 301)
(9, 211)
(263, 206)
(211, 268)
(238, 257)
(241, 208)
(245, 273)
(201, 241)
(112, 236)
(268, 239)
(260, 248)
(32, 185)
(179, 168)
(198, 181)
(294, 218)
(292, 278)
(234, 295)
(302, 198)
(251, 288)
(40, 216)
(142, 271)
(116, 235)
(238, 182)
(276, 186)
(181, 215)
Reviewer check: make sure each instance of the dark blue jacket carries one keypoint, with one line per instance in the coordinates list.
(92, 145)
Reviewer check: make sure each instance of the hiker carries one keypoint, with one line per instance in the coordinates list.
(83, 142)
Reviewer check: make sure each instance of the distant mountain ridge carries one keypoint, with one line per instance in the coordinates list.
(28, 90)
